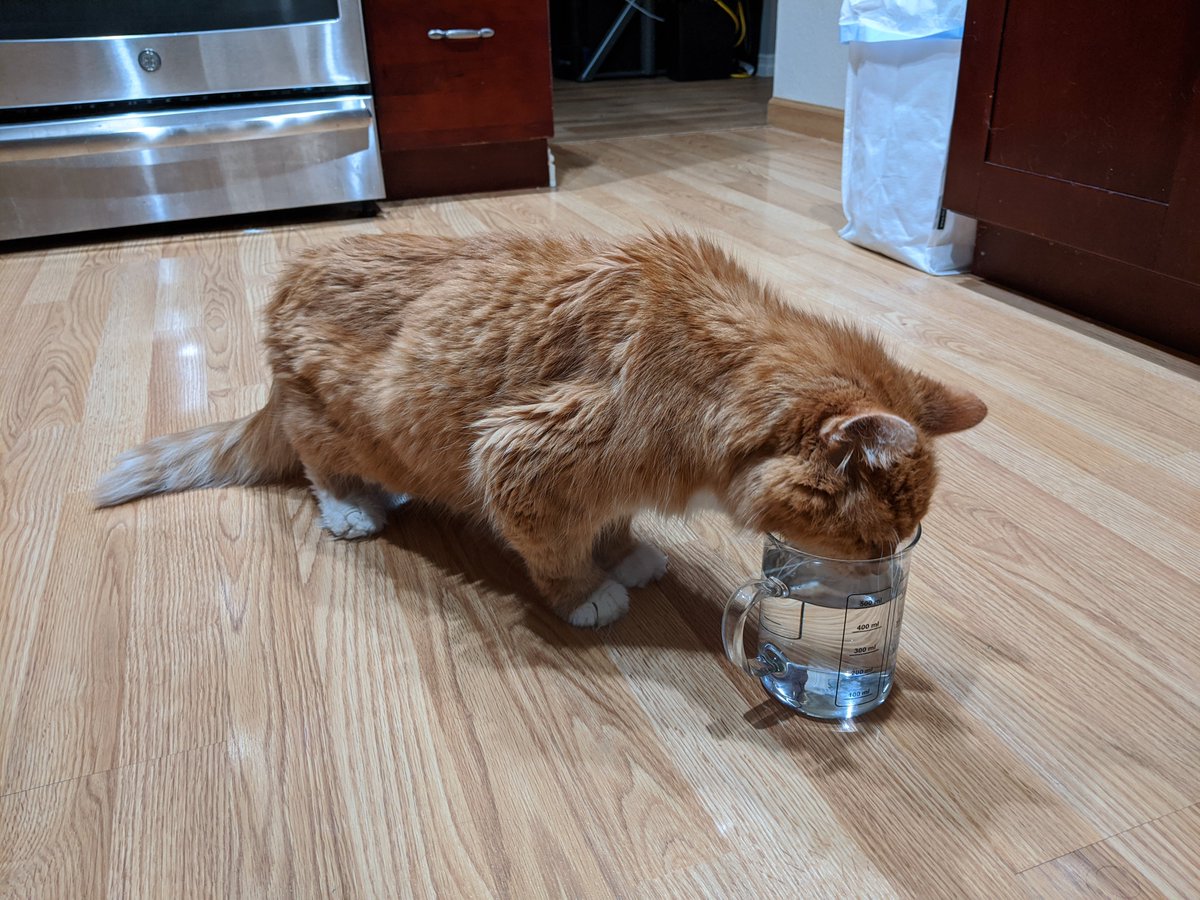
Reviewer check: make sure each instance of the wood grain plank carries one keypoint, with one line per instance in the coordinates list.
(751, 874)
(31, 478)
(600, 110)
(291, 816)
(47, 384)
(230, 355)
(1157, 859)
(68, 693)
(20, 269)
(1041, 635)
(172, 827)
(55, 276)
(114, 413)
(177, 396)
(174, 698)
(57, 839)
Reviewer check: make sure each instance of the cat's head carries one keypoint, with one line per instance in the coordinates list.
(851, 474)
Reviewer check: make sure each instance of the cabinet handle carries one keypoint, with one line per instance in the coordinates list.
(460, 34)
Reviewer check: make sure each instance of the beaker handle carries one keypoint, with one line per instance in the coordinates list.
(733, 626)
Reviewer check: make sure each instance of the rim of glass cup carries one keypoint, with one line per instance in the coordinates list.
(905, 547)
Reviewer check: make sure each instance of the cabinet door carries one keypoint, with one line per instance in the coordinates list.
(438, 93)
(1079, 122)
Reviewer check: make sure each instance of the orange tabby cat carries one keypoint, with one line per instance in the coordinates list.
(556, 386)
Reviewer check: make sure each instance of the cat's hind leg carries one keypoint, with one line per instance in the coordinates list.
(629, 561)
(350, 507)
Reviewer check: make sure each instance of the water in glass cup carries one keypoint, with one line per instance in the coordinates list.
(828, 630)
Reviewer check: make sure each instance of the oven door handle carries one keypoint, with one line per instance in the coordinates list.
(90, 137)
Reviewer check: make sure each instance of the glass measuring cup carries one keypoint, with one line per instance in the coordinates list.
(828, 629)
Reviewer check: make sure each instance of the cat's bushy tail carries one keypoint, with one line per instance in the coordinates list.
(253, 450)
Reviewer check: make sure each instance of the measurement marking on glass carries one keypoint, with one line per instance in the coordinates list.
(886, 656)
(877, 650)
(837, 685)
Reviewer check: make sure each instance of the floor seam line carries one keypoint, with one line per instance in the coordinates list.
(1115, 834)
(111, 769)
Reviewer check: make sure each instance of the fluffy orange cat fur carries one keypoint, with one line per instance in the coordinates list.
(554, 387)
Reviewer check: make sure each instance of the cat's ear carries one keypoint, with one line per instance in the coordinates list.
(879, 436)
(945, 409)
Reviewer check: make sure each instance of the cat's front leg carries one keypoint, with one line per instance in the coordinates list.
(536, 472)
(603, 606)
(559, 559)
(631, 562)
(574, 586)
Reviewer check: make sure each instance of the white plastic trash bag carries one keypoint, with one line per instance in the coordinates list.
(899, 105)
(873, 21)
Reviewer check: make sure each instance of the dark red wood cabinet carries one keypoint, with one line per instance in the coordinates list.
(456, 116)
(1076, 144)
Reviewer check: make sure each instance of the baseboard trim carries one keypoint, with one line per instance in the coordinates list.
(806, 118)
(467, 169)
(1138, 301)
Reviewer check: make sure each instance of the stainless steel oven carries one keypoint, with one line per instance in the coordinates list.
(123, 112)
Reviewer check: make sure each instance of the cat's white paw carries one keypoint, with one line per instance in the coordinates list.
(349, 521)
(645, 564)
(606, 604)
(395, 501)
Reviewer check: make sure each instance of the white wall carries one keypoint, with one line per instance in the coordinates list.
(810, 64)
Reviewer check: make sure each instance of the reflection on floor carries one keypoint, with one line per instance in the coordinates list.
(648, 106)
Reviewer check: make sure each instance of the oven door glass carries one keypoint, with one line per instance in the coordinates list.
(36, 20)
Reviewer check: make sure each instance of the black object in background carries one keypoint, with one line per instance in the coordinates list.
(748, 51)
(578, 26)
(699, 41)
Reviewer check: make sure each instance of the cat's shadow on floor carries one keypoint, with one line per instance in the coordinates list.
(668, 646)
(670, 637)
(470, 556)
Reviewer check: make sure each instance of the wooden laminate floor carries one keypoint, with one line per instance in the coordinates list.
(628, 107)
(204, 697)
